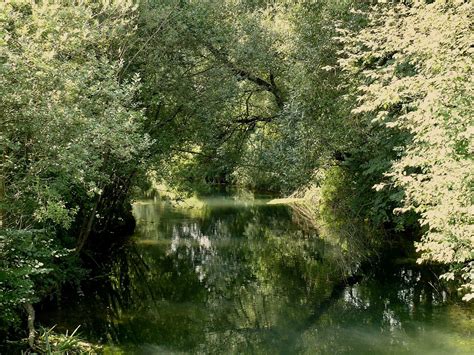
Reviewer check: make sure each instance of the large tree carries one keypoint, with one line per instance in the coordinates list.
(414, 69)
(70, 134)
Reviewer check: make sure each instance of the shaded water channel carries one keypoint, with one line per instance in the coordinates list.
(241, 276)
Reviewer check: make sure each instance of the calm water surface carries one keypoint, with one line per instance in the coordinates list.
(238, 276)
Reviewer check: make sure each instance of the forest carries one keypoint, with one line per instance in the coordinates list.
(366, 103)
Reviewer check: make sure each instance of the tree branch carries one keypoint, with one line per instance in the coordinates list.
(254, 119)
(242, 74)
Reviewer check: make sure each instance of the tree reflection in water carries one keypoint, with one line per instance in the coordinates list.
(242, 277)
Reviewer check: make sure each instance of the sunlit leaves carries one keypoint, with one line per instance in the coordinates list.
(69, 127)
(417, 68)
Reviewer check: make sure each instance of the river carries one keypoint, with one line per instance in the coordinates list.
(235, 275)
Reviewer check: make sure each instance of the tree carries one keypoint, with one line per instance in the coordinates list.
(415, 69)
(70, 130)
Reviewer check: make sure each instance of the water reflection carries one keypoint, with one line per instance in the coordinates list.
(241, 277)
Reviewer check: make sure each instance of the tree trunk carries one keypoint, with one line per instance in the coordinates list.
(31, 324)
(2, 201)
(2, 194)
(87, 227)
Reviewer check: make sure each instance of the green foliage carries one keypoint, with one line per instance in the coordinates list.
(241, 93)
(70, 128)
(32, 265)
(344, 216)
(206, 84)
(69, 122)
(415, 65)
(284, 154)
(263, 94)
(50, 342)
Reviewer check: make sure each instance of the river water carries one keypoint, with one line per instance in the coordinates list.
(233, 275)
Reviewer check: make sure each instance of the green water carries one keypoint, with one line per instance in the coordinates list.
(238, 276)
